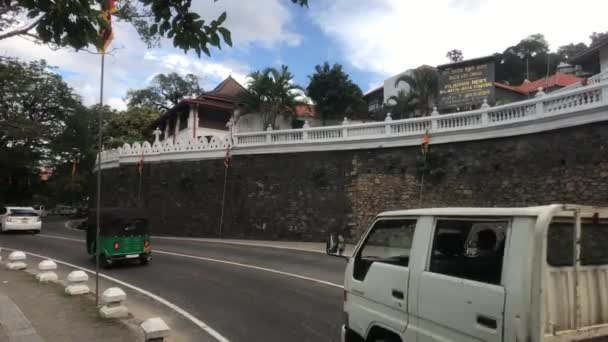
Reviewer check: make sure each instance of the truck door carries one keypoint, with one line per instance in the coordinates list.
(461, 297)
(380, 276)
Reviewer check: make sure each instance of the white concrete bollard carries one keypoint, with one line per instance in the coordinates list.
(112, 299)
(155, 329)
(77, 283)
(47, 274)
(16, 261)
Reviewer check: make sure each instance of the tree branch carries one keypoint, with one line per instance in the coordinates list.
(22, 30)
(7, 9)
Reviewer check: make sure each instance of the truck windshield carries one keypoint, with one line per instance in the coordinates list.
(594, 243)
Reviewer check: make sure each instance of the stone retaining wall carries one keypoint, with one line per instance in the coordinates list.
(302, 196)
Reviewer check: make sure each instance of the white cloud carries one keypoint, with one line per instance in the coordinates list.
(390, 36)
(261, 21)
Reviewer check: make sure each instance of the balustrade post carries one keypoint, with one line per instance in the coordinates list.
(344, 129)
(268, 134)
(305, 129)
(434, 119)
(539, 105)
(604, 93)
(484, 114)
(157, 134)
(387, 125)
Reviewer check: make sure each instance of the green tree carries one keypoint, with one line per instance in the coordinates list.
(35, 107)
(529, 59)
(72, 23)
(334, 94)
(271, 92)
(132, 125)
(566, 52)
(424, 87)
(165, 91)
(403, 105)
(597, 36)
(455, 55)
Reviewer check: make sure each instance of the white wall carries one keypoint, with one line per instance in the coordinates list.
(604, 59)
(252, 122)
(389, 85)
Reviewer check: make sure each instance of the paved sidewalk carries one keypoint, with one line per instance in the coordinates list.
(34, 312)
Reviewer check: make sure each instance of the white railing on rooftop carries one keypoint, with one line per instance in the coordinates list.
(599, 78)
(568, 108)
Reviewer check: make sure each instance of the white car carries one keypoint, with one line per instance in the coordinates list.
(20, 218)
(537, 274)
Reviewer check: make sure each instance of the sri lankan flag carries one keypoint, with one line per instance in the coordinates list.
(424, 144)
(105, 34)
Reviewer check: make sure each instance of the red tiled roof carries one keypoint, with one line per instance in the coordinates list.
(557, 79)
(508, 87)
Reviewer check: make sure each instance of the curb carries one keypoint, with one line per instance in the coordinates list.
(213, 333)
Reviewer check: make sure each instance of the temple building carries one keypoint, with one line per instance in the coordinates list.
(204, 116)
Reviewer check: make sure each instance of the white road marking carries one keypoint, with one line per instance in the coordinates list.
(223, 262)
(236, 243)
(159, 299)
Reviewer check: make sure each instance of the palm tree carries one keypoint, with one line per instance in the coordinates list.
(424, 87)
(402, 105)
(270, 93)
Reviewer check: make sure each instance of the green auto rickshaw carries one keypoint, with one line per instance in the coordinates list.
(123, 235)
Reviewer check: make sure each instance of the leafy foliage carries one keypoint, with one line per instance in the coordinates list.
(402, 105)
(76, 23)
(597, 36)
(529, 59)
(334, 94)
(566, 52)
(165, 91)
(134, 124)
(270, 93)
(36, 108)
(424, 87)
(455, 55)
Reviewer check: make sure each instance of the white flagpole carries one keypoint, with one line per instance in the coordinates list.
(99, 141)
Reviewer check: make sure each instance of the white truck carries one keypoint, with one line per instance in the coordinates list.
(480, 274)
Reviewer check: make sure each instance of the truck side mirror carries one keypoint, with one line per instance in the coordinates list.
(335, 246)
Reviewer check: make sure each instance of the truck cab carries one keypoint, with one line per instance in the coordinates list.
(480, 274)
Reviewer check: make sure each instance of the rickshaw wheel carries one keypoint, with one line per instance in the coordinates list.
(103, 261)
(143, 261)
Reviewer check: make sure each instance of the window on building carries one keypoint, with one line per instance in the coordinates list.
(469, 249)
(389, 241)
(594, 243)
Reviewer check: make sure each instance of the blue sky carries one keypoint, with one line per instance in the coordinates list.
(372, 39)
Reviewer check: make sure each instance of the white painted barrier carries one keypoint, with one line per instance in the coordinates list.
(16, 261)
(77, 283)
(112, 299)
(155, 329)
(47, 271)
(568, 108)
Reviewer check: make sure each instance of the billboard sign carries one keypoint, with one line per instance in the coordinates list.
(466, 84)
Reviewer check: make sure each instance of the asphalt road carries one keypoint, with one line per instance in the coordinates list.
(256, 303)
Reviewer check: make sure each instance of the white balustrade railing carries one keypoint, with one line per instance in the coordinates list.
(522, 111)
(530, 112)
(324, 134)
(575, 100)
(601, 77)
(362, 130)
(460, 121)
